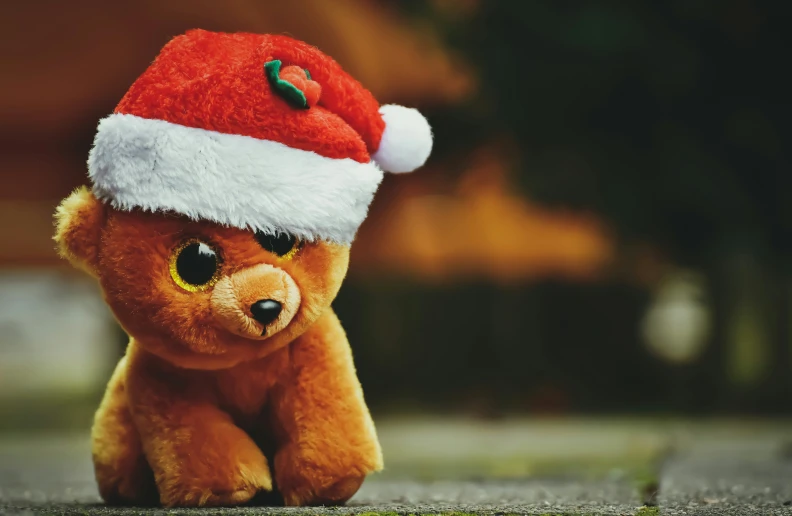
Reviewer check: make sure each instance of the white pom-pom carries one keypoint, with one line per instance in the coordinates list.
(406, 142)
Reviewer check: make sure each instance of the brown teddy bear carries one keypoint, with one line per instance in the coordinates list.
(227, 187)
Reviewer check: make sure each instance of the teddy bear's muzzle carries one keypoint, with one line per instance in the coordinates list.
(256, 302)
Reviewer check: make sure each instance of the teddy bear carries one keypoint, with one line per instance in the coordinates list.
(225, 191)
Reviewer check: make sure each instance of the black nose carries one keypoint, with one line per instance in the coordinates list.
(265, 310)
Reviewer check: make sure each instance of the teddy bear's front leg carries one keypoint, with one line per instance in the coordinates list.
(327, 442)
(198, 455)
(122, 473)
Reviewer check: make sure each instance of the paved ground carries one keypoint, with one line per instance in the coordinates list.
(521, 467)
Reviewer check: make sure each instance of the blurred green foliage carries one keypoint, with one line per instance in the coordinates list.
(667, 118)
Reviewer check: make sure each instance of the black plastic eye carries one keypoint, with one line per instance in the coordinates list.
(282, 244)
(194, 265)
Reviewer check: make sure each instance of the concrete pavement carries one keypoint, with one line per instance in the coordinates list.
(510, 467)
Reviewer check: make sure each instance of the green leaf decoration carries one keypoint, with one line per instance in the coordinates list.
(285, 89)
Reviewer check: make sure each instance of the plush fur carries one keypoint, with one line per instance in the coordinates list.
(204, 133)
(216, 81)
(406, 142)
(210, 406)
(230, 179)
(203, 409)
(78, 223)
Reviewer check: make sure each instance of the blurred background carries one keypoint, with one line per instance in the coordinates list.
(605, 226)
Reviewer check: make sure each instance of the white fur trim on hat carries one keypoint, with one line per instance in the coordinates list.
(230, 179)
(406, 142)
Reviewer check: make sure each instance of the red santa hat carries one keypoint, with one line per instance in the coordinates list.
(254, 131)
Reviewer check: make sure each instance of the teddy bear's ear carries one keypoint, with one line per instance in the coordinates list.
(78, 228)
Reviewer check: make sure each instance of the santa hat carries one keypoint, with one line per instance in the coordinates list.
(254, 131)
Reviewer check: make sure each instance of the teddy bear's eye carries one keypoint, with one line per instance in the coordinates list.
(194, 265)
(282, 244)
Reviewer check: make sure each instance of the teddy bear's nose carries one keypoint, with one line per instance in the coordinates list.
(265, 310)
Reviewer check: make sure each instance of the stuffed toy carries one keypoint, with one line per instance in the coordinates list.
(226, 189)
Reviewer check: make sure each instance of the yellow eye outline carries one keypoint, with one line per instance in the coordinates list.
(295, 248)
(293, 251)
(176, 277)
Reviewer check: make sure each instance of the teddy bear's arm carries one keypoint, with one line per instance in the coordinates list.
(121, 469)
(198, 455)
(328, 443)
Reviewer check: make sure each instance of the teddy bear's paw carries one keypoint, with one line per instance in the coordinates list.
(306, 477)
(129, 482)
(208, 498)
(219, 490)
(214, 499)
(132, 490)
(335, 494)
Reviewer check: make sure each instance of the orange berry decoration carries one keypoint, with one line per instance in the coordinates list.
(294, 84)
